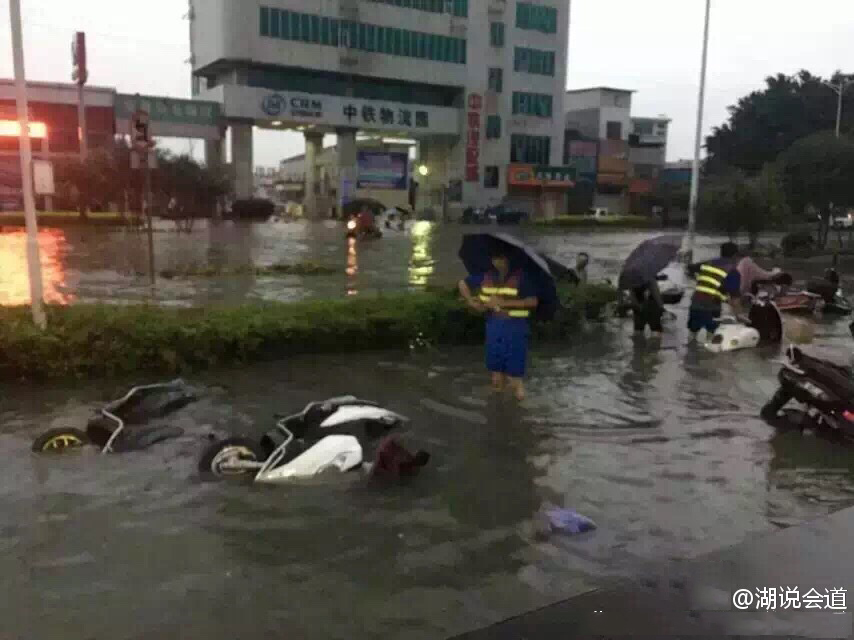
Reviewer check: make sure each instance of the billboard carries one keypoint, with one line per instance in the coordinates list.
(528, 175)
(383, 170)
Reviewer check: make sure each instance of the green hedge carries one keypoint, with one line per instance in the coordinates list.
(108, 340)
(610, 223)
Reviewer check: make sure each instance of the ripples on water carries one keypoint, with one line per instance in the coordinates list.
(658, 442)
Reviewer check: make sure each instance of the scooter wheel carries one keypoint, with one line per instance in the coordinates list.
(59, 440)
(233, 449)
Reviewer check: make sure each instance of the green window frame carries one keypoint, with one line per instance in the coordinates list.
(305, 27)
(493, 127)
(285, 27)
(323, 30)
(315, 29)
(536, 17)
(274, 23)
(264, 26)
(533, 104)
(495, 79)
(496, 34)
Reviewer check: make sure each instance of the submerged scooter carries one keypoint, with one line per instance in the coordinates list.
(824, 390)
(331, 435)
(763, 326)
(835, 302)
(107, 429)
(356, 230)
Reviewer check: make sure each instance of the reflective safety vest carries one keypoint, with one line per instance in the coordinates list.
(710, 279)
(507, 289)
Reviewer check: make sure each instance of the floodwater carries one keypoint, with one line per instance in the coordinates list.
(656, 441)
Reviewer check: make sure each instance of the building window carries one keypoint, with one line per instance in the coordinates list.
(459, 8)
(534, 61)
(315, 29)
(614, 130)
(532, 104)
(491, 177)
(536, 17)
(493, 127)
(530, 149)
(643, 127)
(496, 79)
(496, 34)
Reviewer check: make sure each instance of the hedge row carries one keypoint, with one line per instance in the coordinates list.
(108, 340)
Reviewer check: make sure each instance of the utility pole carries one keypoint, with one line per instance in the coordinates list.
(840, 88)
(33, 257)
(688, 247)
(80, 75)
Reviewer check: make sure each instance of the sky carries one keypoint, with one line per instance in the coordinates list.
(650, 46)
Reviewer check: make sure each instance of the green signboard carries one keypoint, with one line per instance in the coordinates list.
(174, 110)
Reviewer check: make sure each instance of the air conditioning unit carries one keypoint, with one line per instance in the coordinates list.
(496, 6)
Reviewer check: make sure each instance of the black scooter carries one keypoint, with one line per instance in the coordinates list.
(824, 389)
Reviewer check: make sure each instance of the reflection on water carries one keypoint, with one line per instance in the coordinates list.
(352, 266)
(14, 276)
(421, 265)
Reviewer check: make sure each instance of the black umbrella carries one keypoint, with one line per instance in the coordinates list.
(475, 254)
(647, 260)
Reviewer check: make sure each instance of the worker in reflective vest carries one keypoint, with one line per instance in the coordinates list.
(718, 281)
(508, 299)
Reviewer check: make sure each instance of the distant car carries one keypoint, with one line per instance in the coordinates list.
(843, 222)
(503, 214)
(600, 213)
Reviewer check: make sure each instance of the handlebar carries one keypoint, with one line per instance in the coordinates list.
(108, 448)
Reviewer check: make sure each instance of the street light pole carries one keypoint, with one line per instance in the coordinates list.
(33, 258)
(688, 247)
(840, 90)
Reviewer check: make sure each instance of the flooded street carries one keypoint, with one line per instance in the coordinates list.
(658, 442)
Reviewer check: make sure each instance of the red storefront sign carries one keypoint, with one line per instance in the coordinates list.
(475, 104)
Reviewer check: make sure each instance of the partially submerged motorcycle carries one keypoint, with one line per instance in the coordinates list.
(331, 435)
(825, 391)
(763, 326)
(107, 428)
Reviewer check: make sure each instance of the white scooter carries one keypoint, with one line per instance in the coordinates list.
(325, 436)
(764, 325)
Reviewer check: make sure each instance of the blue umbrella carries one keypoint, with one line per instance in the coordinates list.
(647, 260)
(475, 251)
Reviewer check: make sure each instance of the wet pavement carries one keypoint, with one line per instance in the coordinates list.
(658, 442)
(795, 583)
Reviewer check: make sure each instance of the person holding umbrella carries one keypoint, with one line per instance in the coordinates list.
(640, 278)
(509, 296)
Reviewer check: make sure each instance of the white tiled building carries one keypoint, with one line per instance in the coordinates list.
(478, 83)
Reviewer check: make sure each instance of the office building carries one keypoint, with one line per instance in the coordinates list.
(479, 84)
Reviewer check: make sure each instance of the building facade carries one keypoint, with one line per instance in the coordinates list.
(618, 157)
(479, 84)
(385, 174)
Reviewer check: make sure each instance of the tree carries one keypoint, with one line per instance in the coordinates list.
(766, 123)
(193, 188)
(817, 176)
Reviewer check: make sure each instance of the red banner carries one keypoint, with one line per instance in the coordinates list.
(475, 104)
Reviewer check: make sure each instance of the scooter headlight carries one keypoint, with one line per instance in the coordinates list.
(351, 225)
